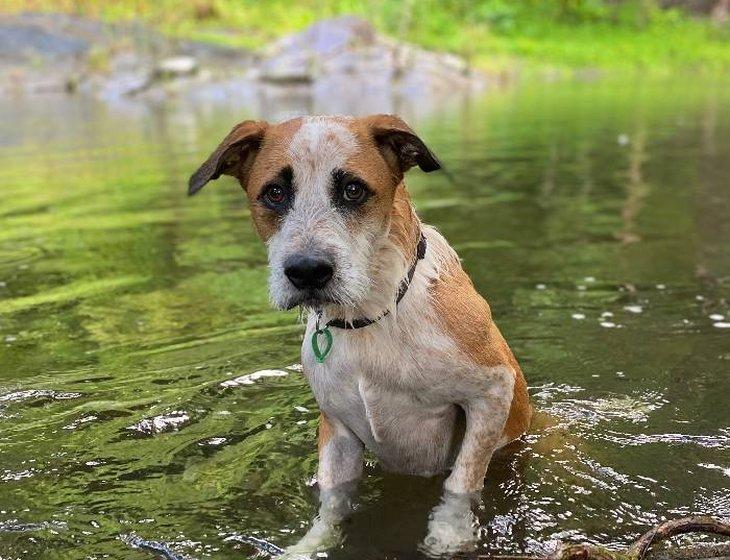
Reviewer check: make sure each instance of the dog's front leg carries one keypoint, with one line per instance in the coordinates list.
(485, 420)
(452, 525)
(340, 468)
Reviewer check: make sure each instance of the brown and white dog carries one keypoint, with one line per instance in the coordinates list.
(427, 383)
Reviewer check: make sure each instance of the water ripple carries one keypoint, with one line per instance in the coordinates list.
(171, 421)
(721, 440)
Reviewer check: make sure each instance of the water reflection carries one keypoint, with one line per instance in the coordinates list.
(147, 388)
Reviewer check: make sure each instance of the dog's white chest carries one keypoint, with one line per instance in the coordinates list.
(390, 399)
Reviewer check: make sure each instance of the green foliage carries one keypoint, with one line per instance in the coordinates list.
(494, 34)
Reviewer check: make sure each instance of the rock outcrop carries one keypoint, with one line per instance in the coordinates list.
(348, 52)
(344, 59)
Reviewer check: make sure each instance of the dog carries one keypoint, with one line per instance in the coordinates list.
(401, 352)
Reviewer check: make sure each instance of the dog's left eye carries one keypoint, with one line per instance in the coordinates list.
(354, 193)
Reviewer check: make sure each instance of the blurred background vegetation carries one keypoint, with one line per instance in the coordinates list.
(660, 36)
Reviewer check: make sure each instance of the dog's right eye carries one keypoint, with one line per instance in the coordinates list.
(275, 196)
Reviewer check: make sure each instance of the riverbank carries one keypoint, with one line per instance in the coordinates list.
(505, 38)
(340, 64)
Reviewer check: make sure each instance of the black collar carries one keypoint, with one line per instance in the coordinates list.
(361, 322)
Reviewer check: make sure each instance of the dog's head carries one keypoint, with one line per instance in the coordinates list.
(321, 192)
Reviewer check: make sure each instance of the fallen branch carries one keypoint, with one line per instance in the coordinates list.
(641, 547)
(677, 527)
(694, 552)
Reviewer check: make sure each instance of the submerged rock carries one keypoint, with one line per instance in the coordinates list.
(176, 66)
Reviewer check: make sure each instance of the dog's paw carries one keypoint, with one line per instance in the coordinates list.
(321, 536)
(452, 528)
(303, 550)
(291, 555)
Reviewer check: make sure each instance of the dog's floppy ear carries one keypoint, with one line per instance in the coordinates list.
(399, 145)
(233, 156)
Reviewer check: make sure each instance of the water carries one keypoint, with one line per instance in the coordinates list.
(593, 216)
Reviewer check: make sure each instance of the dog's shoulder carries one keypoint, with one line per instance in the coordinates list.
(466, 316)
(467, 319)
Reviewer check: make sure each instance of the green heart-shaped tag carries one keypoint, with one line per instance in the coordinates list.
(319, 354)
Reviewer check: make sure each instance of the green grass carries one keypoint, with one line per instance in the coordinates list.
(497, 35)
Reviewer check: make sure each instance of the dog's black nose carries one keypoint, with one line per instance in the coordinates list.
(308, 272)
